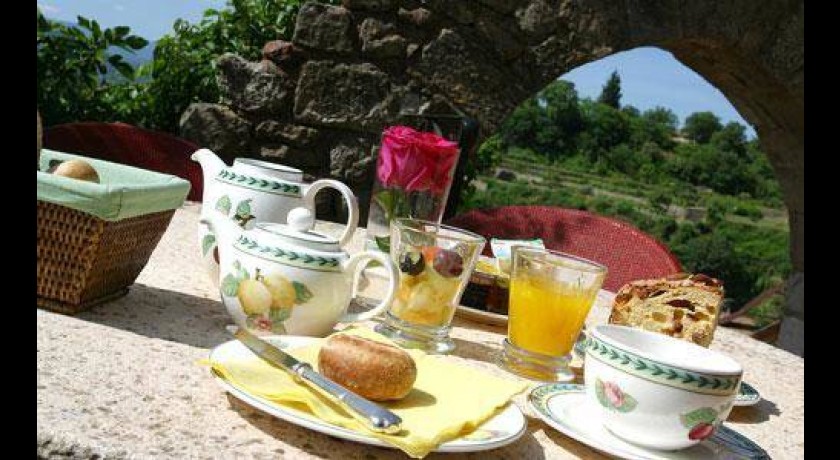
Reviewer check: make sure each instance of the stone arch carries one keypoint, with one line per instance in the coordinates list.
(320, 101)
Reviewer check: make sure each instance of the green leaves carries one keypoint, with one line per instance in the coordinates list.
(244, 208)
(223, 205)
(73, 62)
(279, 314)
(383, 243)
(136, 42)
(628, 405)
(230, 284)
(207, 242)
(599, 393)
(240, 271)
(302, 293)
(121, 66)
(243, 213)
(71, 83)
(697, 416)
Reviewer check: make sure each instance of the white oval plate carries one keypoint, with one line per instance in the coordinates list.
(565, 408)
(505, 428)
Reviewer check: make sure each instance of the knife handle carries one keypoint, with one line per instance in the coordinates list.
(373, 415)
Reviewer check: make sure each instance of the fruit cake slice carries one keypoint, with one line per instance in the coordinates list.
(683, 306)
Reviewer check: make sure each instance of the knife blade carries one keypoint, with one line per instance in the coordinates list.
(374, 416)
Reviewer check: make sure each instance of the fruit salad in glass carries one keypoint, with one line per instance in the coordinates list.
(435, 262)
(430, 278)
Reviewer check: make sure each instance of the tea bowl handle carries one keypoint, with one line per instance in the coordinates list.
(349, 199)
(393, 278)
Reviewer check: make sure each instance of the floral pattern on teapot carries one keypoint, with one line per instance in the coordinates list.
(266, 299)
(242, 216)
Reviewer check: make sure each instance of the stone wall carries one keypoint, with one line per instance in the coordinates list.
(320, 101)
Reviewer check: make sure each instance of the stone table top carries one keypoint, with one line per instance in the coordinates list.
(121, 380)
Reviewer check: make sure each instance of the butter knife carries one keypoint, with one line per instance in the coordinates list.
(374, 416)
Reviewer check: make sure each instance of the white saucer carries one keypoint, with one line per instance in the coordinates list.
(565, 408)
(504, 428)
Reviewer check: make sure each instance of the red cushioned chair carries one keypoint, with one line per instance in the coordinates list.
(129, 145)
(628, 253)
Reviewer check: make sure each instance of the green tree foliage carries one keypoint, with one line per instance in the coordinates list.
(639, 155)
(657, 125)
(604, 129)
(700, 126)
(72, 65)
(489, 153)
(611, 91)
(731, 138)
(548, 121)
(664, 117)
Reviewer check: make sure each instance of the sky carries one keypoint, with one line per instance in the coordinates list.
(649, 76)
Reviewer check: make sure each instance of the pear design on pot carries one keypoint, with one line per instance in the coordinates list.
(290, 279)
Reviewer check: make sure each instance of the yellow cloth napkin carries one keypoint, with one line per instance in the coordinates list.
(448, 400)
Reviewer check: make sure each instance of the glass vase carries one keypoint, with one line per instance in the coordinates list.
(414, 187)
(389, 203)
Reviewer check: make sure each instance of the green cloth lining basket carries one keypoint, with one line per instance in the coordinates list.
(123, 191)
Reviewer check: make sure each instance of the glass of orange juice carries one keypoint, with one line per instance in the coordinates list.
(551, 294)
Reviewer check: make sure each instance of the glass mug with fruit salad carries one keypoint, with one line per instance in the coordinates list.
(551, 294)
(435, 262)
(290, 279)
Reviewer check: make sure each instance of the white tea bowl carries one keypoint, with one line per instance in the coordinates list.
(657, 391)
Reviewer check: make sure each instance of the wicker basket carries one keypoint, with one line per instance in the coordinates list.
(95, 238)
(84, 261)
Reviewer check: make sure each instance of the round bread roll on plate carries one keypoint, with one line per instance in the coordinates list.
(373, 370)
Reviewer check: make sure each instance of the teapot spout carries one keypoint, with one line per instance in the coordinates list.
(210, 163)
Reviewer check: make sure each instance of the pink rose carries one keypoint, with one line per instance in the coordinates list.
(415, 161)
(614, 394)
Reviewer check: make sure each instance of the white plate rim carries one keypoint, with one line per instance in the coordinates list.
(571, 432)
(578, 389)
(304, 420)
(748, 397)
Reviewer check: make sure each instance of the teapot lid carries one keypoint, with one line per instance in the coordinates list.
(298, 231)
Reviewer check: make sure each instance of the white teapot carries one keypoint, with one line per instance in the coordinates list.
(289, 279)
(254, 191)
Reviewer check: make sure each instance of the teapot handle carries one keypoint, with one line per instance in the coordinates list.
(352, 264)
(349, 199)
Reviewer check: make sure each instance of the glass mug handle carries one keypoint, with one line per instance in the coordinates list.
(351, 265)
(349, 199)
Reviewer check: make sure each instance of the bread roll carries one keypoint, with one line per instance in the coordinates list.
(373, 370)
(77, 169)
(683, 306)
